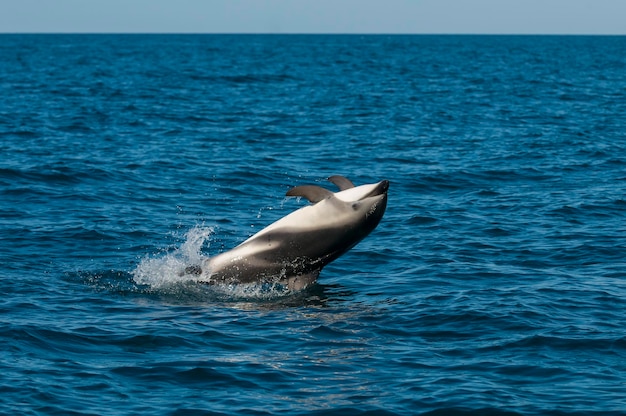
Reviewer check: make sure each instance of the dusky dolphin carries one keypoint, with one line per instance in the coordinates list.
(293, 250)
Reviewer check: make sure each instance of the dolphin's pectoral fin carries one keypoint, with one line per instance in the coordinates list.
(311, 192)
(341, 182)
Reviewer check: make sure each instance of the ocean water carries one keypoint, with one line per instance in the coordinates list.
(494, 285)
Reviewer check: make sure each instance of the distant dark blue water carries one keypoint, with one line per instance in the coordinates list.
(495, 284)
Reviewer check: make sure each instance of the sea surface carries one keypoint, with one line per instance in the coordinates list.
(494, 285)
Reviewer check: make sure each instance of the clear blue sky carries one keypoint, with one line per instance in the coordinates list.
(315, 16)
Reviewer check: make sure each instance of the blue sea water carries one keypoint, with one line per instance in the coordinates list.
(495, 284)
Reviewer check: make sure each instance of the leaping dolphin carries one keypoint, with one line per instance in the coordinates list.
(293, 250)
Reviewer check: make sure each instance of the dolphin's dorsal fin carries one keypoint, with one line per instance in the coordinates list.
(311, 192)
(341, 182)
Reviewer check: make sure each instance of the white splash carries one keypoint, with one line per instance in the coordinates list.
(165, 274)
(167, 270)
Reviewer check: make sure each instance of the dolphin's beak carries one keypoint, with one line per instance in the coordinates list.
(384, 186)
(381, 188)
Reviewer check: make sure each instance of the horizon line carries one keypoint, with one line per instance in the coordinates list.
(311, 33)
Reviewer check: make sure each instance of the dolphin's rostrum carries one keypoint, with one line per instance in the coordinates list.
(293, 250)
